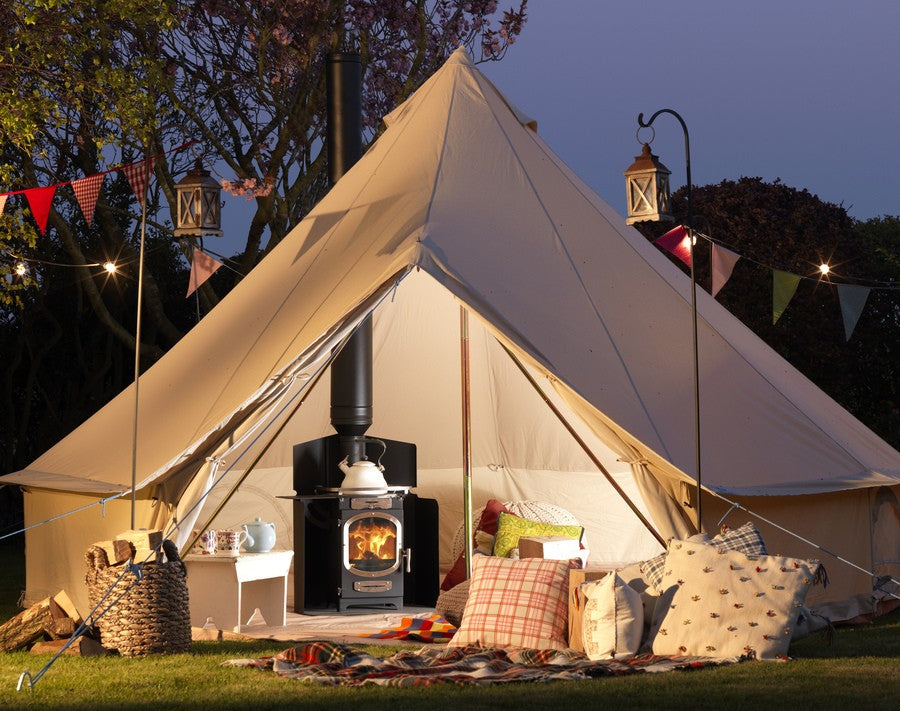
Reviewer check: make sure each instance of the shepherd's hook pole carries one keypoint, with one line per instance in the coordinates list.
(690, 229)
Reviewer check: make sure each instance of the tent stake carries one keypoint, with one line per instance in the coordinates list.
(583, 445)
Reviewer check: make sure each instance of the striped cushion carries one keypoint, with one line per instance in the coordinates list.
(516, 604)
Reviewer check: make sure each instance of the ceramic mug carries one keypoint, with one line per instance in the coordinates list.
(206, 543)
(229, 542)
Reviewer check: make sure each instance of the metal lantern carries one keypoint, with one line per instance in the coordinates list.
(647, 186)
(198, 199)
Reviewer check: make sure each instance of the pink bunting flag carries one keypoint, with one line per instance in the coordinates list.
(138, 175)
(678, 243)
(853, 299)
(723, 261)
(784, 286)
(87, 190)
(202, 268)
(40, 200)
(3, 203)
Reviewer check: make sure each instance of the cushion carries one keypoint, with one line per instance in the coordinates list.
(487, 526)
(746, 539)
(511, 528)
(516, 604)
(726, 604)
(613, 620)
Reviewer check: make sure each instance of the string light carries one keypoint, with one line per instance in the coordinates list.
(824, 269)
(21, 269)
(110, 267)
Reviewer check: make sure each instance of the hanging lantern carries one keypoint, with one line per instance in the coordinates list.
(197, 197)
(647, 187)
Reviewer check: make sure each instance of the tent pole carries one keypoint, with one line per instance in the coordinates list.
(137, 345)
(466, 437)
(583, 445)
(256, 459)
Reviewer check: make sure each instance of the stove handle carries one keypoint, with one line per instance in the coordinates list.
(407, 554)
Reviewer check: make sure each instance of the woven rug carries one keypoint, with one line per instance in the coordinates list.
(330, 664)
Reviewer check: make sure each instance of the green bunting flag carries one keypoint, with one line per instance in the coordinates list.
(784, 286)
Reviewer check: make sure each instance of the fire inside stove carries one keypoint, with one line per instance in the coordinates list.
(371, 544)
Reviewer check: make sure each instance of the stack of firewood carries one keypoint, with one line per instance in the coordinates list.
(47, 626)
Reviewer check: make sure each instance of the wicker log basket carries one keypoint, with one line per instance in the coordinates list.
(152, 616)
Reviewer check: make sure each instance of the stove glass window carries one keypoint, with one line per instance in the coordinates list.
(370, 542)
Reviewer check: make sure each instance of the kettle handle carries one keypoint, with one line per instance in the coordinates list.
(383, 449)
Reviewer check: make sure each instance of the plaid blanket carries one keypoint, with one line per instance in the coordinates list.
(433, 628)
(332, 664)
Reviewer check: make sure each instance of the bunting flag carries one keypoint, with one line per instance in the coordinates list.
(678, 243)
(723, 261)
(853, 299)
(39, 200)
(87, 190)
(3, 203)
(784, 286)
(138, 175)
(202, 268)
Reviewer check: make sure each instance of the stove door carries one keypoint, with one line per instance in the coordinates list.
(372, 544)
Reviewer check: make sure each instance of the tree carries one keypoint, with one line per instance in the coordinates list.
(774, 226)
(86, 85)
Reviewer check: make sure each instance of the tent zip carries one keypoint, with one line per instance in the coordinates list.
(581, 443)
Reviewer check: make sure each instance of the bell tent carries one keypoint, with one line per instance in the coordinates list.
(459, 203)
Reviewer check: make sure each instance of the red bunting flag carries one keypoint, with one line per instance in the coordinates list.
(3, 203)
(678, 243)
(40, 199)
(138, 175)
(202, 268)
(87, 190)
(723, 261)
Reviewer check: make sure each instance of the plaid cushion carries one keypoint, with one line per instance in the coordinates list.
(516, 604)
(746, 539)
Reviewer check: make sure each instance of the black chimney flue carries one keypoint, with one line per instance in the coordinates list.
(351, 372)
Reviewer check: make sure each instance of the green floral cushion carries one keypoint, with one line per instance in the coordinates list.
(511, 528)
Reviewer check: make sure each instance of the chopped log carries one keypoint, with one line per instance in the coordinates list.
(26, 627)
(81, 647)
(117, 551)
(147, 555)
(142, 538)
(65, 602)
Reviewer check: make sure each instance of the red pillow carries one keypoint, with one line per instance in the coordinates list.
(487, 523)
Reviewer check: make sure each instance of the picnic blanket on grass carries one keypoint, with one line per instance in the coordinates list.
(432, 628)
(331, 664)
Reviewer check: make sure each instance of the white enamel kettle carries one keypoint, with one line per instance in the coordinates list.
(363, 476)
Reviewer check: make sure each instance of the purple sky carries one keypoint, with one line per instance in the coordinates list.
(804, 90)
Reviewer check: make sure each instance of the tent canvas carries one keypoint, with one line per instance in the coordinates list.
(462, 192)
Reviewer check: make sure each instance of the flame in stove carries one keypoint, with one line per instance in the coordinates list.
(371, 540)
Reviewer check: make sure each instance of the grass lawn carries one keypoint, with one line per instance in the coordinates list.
(861, 669)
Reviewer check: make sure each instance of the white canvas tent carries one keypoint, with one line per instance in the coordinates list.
(461, 202)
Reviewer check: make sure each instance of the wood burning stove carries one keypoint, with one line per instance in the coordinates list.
(357, 550)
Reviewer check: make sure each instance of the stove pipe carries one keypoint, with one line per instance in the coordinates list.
(351, 371)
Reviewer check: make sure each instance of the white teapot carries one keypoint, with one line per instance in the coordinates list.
(260, 536)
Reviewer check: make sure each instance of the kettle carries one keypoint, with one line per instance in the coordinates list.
(260, 536)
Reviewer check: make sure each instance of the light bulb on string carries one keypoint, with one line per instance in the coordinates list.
(21, 269)
(110, 267)
(824, 269)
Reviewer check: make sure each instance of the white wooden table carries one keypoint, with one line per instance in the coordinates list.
(230, 588)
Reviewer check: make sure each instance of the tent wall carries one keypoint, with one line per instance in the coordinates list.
(54, 552)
